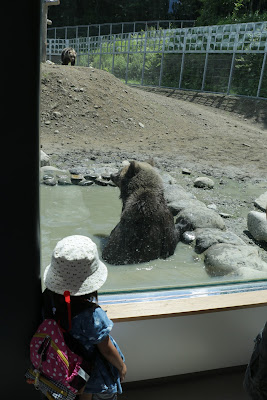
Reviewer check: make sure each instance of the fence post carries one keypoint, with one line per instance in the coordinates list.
(232, 64)
(231, 73)
(181, 71)
(88, 49)
(183, 57)
(128, 53)
(206, 61)
(113, 55)
(262, 72)
(100, 54)
(204, 72)
(162, 58)
(144, 59)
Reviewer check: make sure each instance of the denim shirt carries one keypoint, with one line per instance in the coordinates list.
(90, 327)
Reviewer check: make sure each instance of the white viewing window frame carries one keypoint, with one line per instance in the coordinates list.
(172, 303)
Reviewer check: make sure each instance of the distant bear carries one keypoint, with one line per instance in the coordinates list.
(146, 229)
(68, 55)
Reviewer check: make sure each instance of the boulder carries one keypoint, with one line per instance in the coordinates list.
(50, 181)
(176, 192)
(85, 182)
(186, 171)
(101, 182)
(178, 205)
(207, 237)
(190, 219)
(49, 171)
(111, 183)
(225, 215)
(64, 180)
(166, 178)
(212, 206)
(223, 259)
(261, 202)
(76, 178)
(188, 237)
(249, 274)
(204, 182)
(106, 170)
(44, 159)
(52, 170)
(57, 114)
(91, 176)
(105, 176)
(257, 225)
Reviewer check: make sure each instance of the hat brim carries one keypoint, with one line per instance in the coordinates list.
(94, 282)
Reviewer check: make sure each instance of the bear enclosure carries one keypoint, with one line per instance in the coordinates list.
(228, 59)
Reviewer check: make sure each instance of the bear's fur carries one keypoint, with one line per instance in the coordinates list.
(146, 229)
(68, 55)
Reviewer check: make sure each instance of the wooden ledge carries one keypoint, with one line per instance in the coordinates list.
(186, 306)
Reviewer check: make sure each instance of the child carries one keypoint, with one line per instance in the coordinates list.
(74, 276)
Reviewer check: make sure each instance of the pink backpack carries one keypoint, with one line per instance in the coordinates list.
(57, 371)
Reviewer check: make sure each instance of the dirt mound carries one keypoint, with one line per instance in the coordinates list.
(85, 109)
(98, 111)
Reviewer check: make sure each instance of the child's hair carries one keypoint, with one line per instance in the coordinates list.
(54, 305)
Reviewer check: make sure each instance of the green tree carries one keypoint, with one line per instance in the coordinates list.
(231, 11)
(84, 12)
(186, 9)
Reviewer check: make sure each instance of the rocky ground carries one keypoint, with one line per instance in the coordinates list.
(88, 116)
(85, 111)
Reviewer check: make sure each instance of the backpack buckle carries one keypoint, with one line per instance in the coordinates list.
(36, 380)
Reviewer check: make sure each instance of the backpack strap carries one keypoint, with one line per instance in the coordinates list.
(67, 301)
(74, 344)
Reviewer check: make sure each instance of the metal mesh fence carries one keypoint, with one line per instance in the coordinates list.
(227, 59)
(74, 32)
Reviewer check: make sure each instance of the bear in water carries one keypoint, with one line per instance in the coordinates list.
(146, 229)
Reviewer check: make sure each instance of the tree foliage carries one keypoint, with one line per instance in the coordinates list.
(186, 9)
(231, 11)
(206, 12)
(84, 12)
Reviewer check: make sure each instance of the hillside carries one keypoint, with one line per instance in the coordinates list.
(85, 111)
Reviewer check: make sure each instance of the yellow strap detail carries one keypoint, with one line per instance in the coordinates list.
(48, 383)
(48, 395)
(53, 344)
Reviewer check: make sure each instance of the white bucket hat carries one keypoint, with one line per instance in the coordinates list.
(75, 266)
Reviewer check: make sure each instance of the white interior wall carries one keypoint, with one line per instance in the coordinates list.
(172, 346)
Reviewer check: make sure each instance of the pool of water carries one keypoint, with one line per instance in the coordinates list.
(94, 211)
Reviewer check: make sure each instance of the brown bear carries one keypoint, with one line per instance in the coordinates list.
(68, 55)
(146, 229)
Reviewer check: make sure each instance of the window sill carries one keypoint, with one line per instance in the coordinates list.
(166, 304)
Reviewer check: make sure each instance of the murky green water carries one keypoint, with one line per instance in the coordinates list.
(94, 211)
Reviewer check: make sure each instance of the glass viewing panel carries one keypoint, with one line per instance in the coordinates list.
(95, 210)
(228, 59)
